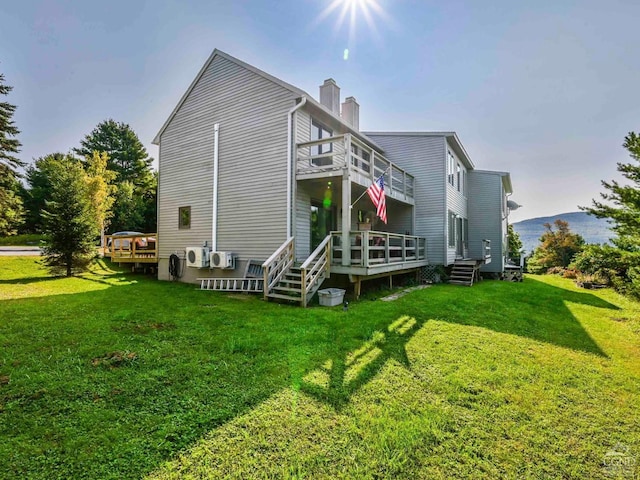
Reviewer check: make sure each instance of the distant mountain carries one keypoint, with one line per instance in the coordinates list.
(592, 229)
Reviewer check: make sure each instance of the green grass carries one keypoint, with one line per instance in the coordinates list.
(113, 375)
(21, 240)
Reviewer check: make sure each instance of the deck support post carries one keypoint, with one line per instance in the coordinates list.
(346, 204)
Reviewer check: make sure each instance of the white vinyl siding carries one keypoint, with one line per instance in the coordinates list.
(456, 201)
(423, 157)
(252, 113)
(486, 197)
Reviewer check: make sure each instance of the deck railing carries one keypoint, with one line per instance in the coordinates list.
(315, 269)
(277, 265)
(132, 248)
(332, 154)
(371, 248)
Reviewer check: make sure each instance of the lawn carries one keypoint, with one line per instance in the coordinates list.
(114, 375)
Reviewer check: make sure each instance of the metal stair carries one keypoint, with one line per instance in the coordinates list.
(465, 272)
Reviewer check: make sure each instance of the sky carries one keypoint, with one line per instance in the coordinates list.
(546, 90)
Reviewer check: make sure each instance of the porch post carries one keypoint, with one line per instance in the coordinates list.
(346, 203)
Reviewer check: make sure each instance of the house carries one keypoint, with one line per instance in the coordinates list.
(263, 188)
(460, 210)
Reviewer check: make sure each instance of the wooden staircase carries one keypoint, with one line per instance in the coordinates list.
(289, 287)
(465, 272)
(283, 280)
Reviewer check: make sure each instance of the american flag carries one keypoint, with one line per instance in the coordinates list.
(376, 193)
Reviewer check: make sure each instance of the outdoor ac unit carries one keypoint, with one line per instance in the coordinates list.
(222, 260)
(197, 257)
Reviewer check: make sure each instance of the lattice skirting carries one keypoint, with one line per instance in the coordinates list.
(430, 274)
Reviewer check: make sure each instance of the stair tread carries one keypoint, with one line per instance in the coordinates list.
(287, 289)
(283, 297)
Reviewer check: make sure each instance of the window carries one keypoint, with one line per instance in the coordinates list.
(184, 218)
(318, 132)
(452, 229)
(459, 177)
(465, 229)
(451, 163)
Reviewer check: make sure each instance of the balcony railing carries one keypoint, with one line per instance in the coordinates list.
(371, 248)
(330, 155)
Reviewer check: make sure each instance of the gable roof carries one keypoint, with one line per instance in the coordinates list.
(451, 136)
(293, 89)
(214, 54)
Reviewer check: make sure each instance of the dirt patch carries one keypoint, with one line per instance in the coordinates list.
(620, 319)
(4, 379)
(115, 359)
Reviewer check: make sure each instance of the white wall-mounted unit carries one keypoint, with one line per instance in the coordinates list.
(197, 257)
(222, 260)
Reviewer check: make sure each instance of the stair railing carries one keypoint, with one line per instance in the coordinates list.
(313, 268)
(277, 265)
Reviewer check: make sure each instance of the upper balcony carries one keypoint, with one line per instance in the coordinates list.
(329, 156)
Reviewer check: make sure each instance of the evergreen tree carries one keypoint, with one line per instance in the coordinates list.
(11, 210)
(69, 220)
(622, 202)
(557, 247)
(135, 182)
(38, 178)
(8, 131)
(127, 156)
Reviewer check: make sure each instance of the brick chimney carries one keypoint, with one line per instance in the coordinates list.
(351, 112)
(330, 95)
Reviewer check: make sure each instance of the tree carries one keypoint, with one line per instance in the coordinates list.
(38, 176)
(622, 203)
(99, 189)
(11, 210)
(8, 131)
(557, 247)
(69, 220)
(127, 156)
(514, 243)
(135, 181)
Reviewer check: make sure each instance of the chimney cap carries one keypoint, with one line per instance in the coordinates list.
(350, 99)
(329, 81)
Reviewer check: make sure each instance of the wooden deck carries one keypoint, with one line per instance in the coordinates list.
(374, 253)
(132, 248)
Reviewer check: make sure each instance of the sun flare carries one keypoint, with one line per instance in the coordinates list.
(349, 12)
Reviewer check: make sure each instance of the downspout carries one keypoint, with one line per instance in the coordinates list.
(290, 162)
(214, 202)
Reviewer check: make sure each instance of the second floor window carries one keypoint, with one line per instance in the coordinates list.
(451, 166)
(318, 132)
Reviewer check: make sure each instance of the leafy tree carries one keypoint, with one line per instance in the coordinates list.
(11, 210)
(622, 202)
(8, 131)
(127, 156)
(514, 243)
(128, 209)
(99, 189)
(557, 247)
(69, 220)
(38, 176)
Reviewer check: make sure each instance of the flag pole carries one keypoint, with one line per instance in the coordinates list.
(363, 194)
